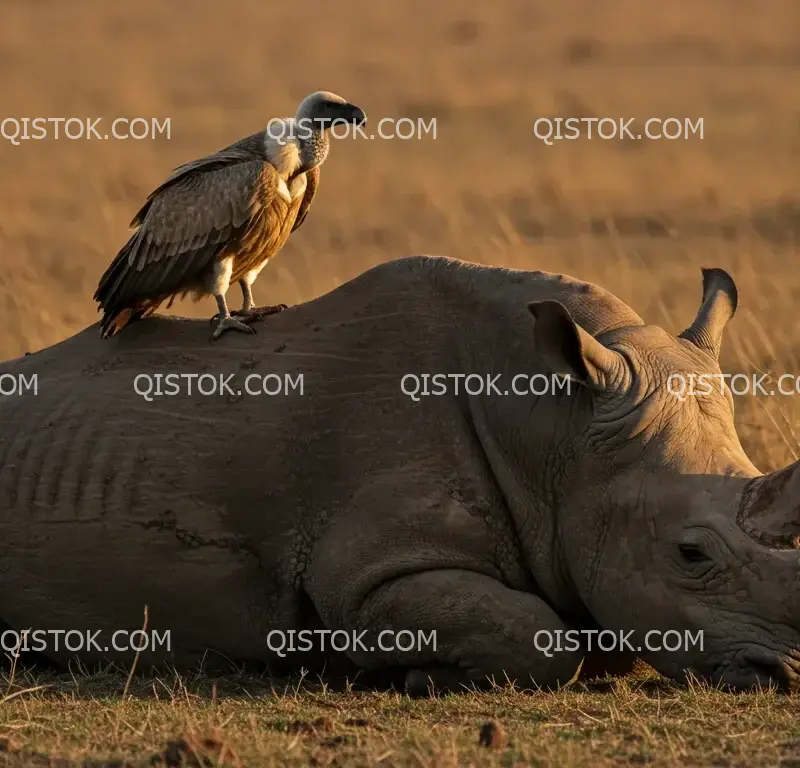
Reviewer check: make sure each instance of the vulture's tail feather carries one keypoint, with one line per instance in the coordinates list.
(116, 315)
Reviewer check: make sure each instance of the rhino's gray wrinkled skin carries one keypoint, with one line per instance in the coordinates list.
(486, 519)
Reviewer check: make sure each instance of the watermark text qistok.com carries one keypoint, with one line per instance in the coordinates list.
(552, 129)
(684, 386)
(403, 128)
(149, 386)
(19, 129)
(437, 384)
(77, 640)
(557, 641)
(19, 384)
(283, 642)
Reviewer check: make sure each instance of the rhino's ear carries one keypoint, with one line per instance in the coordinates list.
(565, 348)
(720, 298)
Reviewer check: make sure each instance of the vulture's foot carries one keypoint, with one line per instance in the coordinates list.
(254, 314)
(230, 323)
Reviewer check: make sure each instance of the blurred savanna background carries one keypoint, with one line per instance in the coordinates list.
(638, 217)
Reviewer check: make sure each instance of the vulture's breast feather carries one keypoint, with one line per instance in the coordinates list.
(270, 231)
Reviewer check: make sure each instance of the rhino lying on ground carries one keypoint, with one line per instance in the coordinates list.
(487, 518)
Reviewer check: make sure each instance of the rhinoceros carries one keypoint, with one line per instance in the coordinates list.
(346, 505)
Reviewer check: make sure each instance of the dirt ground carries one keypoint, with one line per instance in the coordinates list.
(640, 217)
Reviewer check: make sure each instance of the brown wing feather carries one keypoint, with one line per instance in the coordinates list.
(245, 150)
(312, 182)
(203, 212)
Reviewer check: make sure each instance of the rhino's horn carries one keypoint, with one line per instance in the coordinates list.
(770, 508)
(720, 299)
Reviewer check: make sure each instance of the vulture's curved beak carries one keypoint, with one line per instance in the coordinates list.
(357, 115)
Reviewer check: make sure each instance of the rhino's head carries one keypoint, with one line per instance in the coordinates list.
(666, 524)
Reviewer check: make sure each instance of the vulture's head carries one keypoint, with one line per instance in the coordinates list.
(324, 108)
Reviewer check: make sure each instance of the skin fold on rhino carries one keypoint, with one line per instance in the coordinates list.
(487, 518)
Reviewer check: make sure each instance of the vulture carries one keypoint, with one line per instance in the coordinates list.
(219, 219)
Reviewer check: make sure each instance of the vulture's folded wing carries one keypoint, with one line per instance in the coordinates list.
(312, 182)
(188, 224)
(246, 150)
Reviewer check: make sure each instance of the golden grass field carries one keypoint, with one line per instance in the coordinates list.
(638, 217)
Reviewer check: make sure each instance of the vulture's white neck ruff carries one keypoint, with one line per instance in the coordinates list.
(291, 148)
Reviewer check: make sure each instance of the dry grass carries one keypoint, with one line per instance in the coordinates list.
(637, 217)
(245, 721)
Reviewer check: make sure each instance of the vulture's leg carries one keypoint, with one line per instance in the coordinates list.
(247, 294)
(226, 321)
(220, 281)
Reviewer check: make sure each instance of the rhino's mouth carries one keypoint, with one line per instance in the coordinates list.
(760, 667)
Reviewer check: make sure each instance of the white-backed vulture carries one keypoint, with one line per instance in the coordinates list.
(219, 219)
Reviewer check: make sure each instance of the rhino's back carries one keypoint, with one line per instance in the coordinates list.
(207, 504)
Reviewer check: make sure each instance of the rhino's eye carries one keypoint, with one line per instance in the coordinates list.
(693, 554)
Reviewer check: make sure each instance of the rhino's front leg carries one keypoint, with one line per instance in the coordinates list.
(484, 632)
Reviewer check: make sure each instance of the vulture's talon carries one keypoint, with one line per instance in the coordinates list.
(228, 324)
